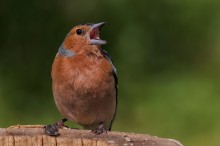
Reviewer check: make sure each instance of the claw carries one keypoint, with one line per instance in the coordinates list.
(100, 130)
(53, 129)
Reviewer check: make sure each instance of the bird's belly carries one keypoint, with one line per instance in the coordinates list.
(86, 99)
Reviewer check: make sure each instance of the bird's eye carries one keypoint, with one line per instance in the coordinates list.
(79, 32)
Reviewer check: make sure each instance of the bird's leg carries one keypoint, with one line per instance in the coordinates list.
(99, 130)
(53, 129)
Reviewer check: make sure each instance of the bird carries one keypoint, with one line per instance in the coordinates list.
(84, 81)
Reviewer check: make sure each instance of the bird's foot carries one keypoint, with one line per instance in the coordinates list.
(53, 129)
(100, 130)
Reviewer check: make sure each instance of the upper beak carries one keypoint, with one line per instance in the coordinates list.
(94, 34)
(98, 25)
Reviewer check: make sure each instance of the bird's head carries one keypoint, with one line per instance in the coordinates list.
(86, 34)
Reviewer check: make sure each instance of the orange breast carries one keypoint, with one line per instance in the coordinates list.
(84, 88)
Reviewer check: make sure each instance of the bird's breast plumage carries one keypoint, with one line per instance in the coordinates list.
(84, 87)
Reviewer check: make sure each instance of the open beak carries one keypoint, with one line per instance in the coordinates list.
(94, 34)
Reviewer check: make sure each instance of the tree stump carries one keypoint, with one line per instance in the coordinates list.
(33, 135)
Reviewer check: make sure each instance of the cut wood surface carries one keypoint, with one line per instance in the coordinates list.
(33, 135)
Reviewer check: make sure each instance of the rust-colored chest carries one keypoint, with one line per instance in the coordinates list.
(82, 70)
(84, 87)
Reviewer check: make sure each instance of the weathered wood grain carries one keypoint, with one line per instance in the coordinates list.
(33, 135)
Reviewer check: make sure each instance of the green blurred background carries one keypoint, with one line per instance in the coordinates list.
(167, 54)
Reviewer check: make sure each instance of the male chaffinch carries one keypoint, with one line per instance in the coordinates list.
(84, 81)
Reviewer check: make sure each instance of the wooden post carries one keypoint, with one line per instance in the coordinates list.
(33, 135)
